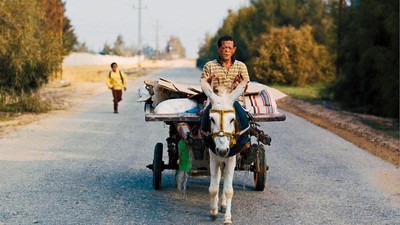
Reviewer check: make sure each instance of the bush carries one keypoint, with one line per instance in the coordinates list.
(287, 55)
(26, 103)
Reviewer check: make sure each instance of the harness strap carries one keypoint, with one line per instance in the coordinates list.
(241, 137)
(205, 133)
(243, 131)
(221, 113)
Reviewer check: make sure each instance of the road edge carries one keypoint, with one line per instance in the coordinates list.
(300, 108)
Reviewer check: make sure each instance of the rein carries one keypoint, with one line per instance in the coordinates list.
(234, 136)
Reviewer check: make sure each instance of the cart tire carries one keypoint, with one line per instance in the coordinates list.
(260, 177)
(157, 166)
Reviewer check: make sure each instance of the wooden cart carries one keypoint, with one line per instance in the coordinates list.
(199, 153)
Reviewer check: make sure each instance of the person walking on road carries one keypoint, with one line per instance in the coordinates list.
(116, 82)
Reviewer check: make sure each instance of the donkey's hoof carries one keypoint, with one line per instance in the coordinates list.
(227, 221)
(214, 212)
(222, 209)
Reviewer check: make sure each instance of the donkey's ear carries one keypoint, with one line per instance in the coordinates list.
(238, 90)
(207, 89)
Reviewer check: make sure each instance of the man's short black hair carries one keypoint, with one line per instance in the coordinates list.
(225, 38)
(114, 63)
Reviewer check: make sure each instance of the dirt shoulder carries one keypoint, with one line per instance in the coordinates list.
(349, 126)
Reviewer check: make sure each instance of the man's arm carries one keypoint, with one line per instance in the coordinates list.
(245, 73)
(205, 74)
(108, 81)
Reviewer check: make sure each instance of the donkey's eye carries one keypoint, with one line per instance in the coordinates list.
(212, 120)
(232, 120)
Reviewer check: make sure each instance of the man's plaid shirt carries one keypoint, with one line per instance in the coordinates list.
(224, 77)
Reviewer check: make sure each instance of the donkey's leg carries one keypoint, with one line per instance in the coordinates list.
(215, 178)
(223, 197)
(228, 187)
(223, 202)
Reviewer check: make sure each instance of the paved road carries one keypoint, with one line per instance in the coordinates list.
(88, 166)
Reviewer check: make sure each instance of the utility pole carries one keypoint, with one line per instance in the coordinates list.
(139, 8)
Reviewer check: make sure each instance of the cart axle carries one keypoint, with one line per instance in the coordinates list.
(164, 167)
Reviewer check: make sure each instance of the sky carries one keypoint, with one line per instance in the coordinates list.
(97, 22)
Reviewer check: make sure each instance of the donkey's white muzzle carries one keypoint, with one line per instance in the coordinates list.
(222, 145)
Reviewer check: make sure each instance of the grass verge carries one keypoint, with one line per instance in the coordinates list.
(378, 135)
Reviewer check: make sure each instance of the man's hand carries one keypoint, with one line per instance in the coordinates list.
(238, 78)
(124, 88)
(211, 78)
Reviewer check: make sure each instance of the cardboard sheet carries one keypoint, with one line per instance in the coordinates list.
(192, 91)
(179, 87)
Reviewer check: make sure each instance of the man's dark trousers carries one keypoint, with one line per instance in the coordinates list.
(117, 95)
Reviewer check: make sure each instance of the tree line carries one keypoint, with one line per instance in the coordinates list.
(173, 49)
(350, 45)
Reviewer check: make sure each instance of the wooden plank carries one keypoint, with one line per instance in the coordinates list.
(269, 117)
(187, 117)
(192, 117)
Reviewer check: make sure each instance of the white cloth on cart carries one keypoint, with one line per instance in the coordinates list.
(176, 106)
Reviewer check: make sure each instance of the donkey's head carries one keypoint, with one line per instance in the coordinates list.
(222, 116)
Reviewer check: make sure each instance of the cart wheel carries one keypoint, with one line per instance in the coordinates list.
(260, 177)
(157, 166)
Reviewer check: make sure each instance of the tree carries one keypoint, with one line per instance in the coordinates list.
(291, 56)
(26, 50)
(119, 45)
(250, 22)
(107, 50)
(368, 63)
(52, 37)
(174, 48)
(204, 51)
(81, 47)
(31, 46)
(69, 37)
(119, 48)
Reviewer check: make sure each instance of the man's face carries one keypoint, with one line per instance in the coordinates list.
(114, 67)
(226, 50)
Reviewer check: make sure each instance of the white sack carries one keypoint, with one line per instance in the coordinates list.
(174, 106)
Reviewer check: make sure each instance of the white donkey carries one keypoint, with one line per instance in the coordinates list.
(222, 118)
